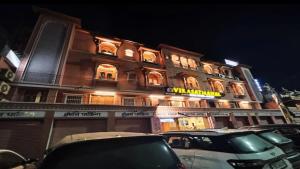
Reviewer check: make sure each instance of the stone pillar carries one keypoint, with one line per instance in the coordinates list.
(47, 132)
(111, 121)
(233, 120)
(273, 119)
(250, 120)
(52, 94)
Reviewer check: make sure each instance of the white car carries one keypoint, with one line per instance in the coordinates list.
(225, 149)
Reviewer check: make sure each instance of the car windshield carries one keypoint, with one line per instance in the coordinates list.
(274, 137)
(249, 143)
(121, 153)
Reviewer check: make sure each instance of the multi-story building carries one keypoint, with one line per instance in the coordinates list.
(71, 80)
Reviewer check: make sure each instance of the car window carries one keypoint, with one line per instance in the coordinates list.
(274, 137)
(121, 153)
(249, 143)
(203, 142)
(9, 160)
(288, 130)
(179, 141)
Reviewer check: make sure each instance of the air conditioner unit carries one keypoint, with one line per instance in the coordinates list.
(4, 87)
(7, 74)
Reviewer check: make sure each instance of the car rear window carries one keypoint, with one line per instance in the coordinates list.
(121, 153)
(274, 137)
(249, 143)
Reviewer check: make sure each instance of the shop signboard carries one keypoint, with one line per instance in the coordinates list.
(220, 113)
(135, 114)
(21, 114)
(75, 114)
(240, 114)
(192, 92)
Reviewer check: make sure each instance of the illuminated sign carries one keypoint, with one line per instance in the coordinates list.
(192, 92)
(231, 63)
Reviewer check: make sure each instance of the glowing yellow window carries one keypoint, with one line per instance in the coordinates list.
(149, 57)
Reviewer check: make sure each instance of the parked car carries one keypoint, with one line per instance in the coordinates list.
(291, 131)
(286, 144)
(226, 149)
(10, 160)
(111, 150)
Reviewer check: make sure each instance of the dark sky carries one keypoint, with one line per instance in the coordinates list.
(264, 36)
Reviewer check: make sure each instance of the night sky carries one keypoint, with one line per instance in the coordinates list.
(264, 36)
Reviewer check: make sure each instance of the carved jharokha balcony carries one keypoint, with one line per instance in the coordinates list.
(105, 82)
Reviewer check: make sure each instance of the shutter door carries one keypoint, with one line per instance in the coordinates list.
(279, 120)
(221, 122)
(133, 125)
(265, 120)
(242, 121)
(62, 128)
(22, 136)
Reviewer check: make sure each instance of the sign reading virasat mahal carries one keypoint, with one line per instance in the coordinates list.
(192, 92)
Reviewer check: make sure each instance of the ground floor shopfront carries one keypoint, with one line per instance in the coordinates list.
(40, 126)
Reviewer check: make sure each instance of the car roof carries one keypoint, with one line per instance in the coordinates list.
(211, 132)
(13, 152)
(99, 136)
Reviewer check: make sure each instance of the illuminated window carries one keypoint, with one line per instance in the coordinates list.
(194, 104)
(192, 82)
(108, 48)
(106, 72)
(238, 89)
(107, 100)
(175, 60)
(192, 64)
(208, 69)
(129, 53)
(149, 57)
(155, 78)
(177, 103)
(184, 62)
(218, 86)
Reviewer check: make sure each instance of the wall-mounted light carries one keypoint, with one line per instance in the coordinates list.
(177, 98)
(105, 93)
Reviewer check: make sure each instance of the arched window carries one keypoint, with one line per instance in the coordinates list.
(108, 48)
(184, 62)
(107, 72)
(149, 57)
(239, 90)
(208, 69)
(192, 63)
(218, 86)
(192, 82)
(175, 60)
(155, 78)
